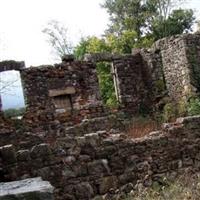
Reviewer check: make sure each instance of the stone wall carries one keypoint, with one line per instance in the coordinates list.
(131, 81)
(180, 58)
(97, 164)
(67, 92)
(169, 69)
(152, 61)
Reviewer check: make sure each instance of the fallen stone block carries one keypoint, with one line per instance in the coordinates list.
(28, 189)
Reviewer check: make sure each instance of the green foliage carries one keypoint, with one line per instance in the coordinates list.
(123, 43)
(183, 108)
(96, 45)
(174, 110)
(179, 21)
(151, 19)
(145, 42)
(90, 45)
(106, 84)
(81, 49)
(194, 106)
(14, 112)
(134, 15)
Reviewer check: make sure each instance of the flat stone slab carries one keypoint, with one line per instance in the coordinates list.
(28, 189)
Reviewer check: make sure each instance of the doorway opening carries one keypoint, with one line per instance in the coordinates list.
(106, 84)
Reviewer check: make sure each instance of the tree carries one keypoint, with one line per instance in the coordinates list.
(165, 7)
(179, 21)
(57, 37)
(128, 15)
(123, 43)
(150, 19)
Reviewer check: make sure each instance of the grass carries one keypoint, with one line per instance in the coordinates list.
(142, 126)
(186, 187)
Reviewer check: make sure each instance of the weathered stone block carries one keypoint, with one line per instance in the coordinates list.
(98, 167)
(40, 150)
(29, 189)
(8, 154)
(23, 155)
(84, 191)
(107, 183)
(58, 92)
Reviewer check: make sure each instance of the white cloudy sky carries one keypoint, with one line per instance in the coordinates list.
(21, 23)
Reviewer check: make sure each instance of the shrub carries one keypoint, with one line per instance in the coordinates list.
(172, 111)
(194, 106)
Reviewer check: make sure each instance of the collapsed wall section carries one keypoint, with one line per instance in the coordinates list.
(84, 167)
(67, 92)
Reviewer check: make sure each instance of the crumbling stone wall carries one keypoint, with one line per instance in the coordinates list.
(193, 56)
(96, 164)
(132, 83)
(152, 61)
(67, 92)
(169, 68)
(180, 58)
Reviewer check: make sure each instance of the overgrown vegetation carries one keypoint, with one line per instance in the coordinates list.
(173, 110)
(193, 107)
(185, 187)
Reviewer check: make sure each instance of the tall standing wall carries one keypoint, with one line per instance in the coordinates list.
(181, 65)
(67, 92)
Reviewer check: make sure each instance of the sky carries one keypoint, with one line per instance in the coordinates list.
(21, 37)
(22, 21)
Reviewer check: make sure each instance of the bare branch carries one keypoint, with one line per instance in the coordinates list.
(57, 38)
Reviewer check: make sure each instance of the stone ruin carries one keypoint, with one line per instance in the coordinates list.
(71, 140)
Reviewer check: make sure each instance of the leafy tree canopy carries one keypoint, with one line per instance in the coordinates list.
(155, 18)
(179, 21)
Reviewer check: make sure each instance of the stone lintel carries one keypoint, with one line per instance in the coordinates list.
(8, 65)
(58, 92)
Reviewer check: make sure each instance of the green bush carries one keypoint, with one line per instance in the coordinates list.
(174, 110)
(193, 107)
